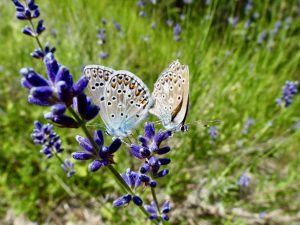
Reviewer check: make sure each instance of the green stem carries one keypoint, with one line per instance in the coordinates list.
(155, 199)
(36, 37)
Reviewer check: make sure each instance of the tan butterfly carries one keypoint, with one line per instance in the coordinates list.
(171, 96)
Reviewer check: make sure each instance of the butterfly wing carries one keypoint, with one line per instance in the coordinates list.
(171, 96)
(126, 103)
(98, 77)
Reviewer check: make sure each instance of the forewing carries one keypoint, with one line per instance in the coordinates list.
(171, 93)
(127, 101)
(98, 77)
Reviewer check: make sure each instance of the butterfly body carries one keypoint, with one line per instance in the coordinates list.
(171, 96)
(123, 98)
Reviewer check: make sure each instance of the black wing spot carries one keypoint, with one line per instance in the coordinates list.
(114, 98)
(102, 99)
(122, 114)
(112, 115)
(97, 84)
(119, 91)
(101, 84)
(93, 87)
(137, 115)
(108, 103)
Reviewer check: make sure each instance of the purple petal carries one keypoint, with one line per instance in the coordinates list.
(81, 104)
(98, 137)
(95, 165)
(40, 27)
(153, 183)
(21, 16)
(82, 155)
(163, 150)
(80, 85)
(92, 112)
(33, 78)
(149, 130)
(145, 168)
(25, 83)
(28, 31)
(125, 199)
(51, 66)
(39, 101)
(58, 109)
(63, 74)
(41, 92)
(164, 161)
(65, 121)
(162, 173)
(144, 140)
(166, 207)
(137, 200)
(165, 217)
(63, 91)
(135, 150)
(84, 143)
(114, 146)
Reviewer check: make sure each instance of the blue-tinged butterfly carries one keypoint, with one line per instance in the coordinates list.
(171, 96)
(123, 98)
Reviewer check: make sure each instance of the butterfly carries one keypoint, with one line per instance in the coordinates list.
(171, 96)
(123, 98)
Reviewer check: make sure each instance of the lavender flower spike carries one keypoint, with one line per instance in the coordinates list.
(152, 210)
(45, 136)
(102, 156)
(288, 92)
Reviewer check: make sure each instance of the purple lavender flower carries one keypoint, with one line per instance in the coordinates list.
(40, 54)
(276, 28)
(84, 107)
(177, 32)
(141, 3)
(59, 88)
(244, 180)
(169, 23)
(261, 37)
(249, 6)
(153, 25)
(101, 36)
(142, 14)
(152, 210)
(133, 180)
(149, 149)
(117, 26)
(103, 21)
(104, 154)
(288, 92)
(28, 12)
(45, 136)
(213, 132)
(103, 55)
(247, 125)
(68, 167)
(233, 21)
(187, 2)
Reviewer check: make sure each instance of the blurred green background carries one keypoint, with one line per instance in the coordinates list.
(236, 74)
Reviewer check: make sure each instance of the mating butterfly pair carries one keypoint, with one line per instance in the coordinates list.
(125, 100)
